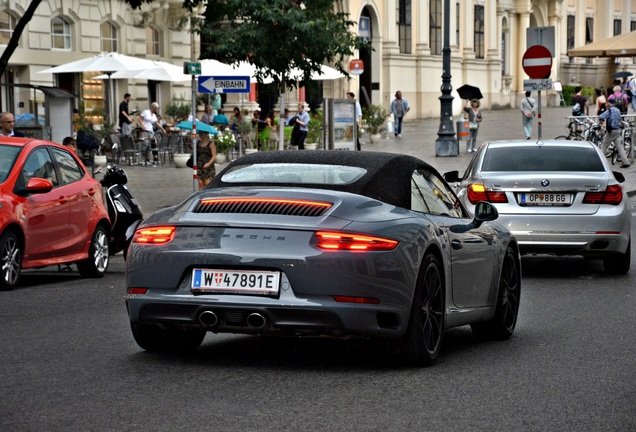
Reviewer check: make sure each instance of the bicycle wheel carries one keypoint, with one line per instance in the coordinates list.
(614, 154)
(562, 137)
(627, 143)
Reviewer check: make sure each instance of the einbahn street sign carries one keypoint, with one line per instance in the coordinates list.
(537, 62)
(224, 84)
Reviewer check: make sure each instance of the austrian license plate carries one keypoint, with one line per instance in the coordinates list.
(235, 281)
(545, 199)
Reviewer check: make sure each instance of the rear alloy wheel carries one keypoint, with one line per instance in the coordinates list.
(96, 264)
(501, 326)
(11, 260)
(153, 338)
(618, 263)
(423, 340)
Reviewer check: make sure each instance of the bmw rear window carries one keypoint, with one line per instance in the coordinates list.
(542, 158)
(8, 155)
(294, 173)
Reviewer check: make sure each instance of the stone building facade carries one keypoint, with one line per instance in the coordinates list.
(487, 42)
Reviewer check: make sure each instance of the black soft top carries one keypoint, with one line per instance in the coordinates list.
(388, 176)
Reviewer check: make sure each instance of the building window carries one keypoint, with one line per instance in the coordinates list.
(435, 25)
(404, 25)
(109, 37)
(570, 31)
(479, 32)
(60, 34)
(632, 25)
(7, 25)
(589, 30)
(152, 41)
(617, 27)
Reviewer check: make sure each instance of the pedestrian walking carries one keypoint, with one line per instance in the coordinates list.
(528, 111)
(125, 122)
(613, 131)
(474, 118)
(149, 121)
(301, 127)
(618, 99)
(399, 108)
(206, 156)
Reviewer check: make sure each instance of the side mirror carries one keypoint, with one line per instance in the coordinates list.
(619, 176)
(452, 177)
(38, 185)
(484, 212)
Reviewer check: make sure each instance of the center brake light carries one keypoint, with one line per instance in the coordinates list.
(353, 242)
(154, 235)
(613, 195)
(478, 192)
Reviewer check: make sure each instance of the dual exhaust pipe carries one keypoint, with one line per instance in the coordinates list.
(254, 320)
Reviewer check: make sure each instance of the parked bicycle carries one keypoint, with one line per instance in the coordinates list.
(578, 128)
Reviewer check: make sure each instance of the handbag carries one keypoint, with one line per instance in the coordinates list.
(190, 162)
(473, 126)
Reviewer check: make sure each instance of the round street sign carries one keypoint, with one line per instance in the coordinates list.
(537, 62)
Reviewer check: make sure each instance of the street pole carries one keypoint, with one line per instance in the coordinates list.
(194, 134)
(446, 143)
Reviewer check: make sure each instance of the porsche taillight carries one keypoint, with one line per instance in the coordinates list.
(612, 195)
(478, 192)
(154, 235)
(353, 242)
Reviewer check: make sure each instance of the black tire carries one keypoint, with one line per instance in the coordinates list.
(614, 155)
(562, 137)
(96, 264)
(618, 263)
(422, 342)
(627, 144)
(10, 260)
(502, 325)
(153, 338)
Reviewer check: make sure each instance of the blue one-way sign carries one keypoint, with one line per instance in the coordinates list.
(224, 84)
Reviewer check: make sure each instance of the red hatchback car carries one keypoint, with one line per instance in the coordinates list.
(51, 211)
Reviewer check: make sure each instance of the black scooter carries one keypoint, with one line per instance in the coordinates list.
(124, 211)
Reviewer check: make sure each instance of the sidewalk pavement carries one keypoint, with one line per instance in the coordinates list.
(156, 188)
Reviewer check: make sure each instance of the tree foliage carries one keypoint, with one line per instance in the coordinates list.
(276, 35)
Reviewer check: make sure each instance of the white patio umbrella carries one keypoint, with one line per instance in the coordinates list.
(106, 62)
(161, 71)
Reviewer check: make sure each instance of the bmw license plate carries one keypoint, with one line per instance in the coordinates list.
(545, 199)
(235, 281)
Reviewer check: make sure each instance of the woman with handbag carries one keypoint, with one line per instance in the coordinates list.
(206, 156)
(528, 110)
(474, 118)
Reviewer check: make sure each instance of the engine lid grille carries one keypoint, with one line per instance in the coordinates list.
(269, 206)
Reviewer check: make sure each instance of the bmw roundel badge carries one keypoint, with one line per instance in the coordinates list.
(545, 182)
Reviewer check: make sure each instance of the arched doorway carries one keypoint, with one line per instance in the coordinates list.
(365, 79)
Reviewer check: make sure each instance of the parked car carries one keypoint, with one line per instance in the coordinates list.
(328, 243)
(51, 211)
(556, 197)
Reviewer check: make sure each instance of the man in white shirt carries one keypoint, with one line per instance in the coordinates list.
(149, 120)
(350, 95)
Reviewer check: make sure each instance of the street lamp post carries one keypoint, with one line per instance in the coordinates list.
(446, 143)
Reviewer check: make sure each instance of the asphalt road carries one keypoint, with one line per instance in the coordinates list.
(68, 362)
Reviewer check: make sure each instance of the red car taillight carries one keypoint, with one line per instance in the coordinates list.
(154, 235)
(353, 242)
(613, 195)
(478, 192)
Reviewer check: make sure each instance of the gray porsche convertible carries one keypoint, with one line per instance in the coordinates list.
(323, 243)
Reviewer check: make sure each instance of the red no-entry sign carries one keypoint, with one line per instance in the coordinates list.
(537, 62)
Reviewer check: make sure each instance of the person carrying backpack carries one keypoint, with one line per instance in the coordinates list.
(619, 100)
(580, 102)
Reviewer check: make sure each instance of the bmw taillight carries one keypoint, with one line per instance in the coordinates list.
(478, 192)
(353, 242)
(154, 235)
(612, 195)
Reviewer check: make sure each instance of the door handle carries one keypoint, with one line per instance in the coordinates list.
(63, 200)
(456, 244)
(92, 191)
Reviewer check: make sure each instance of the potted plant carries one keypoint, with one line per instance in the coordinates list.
(224, 141)
(374, 119)
(178, 109)
(314, 131)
